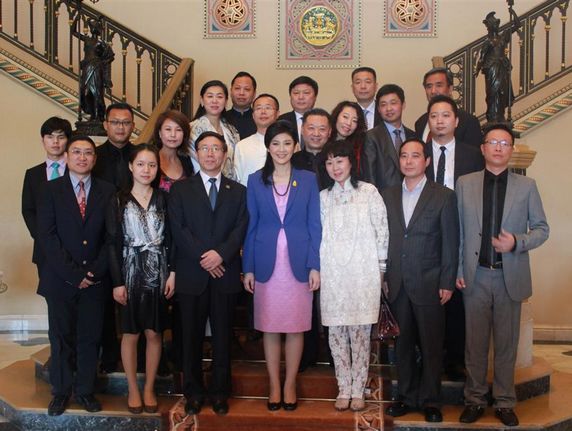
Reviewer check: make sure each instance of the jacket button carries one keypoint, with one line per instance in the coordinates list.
(84, 242)
(84, 262)
(476, 253)
(405, 236)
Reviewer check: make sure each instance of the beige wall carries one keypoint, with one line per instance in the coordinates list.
(178, 26)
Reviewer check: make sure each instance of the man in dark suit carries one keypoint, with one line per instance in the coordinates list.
(364, 87)
(208, 220)
(423, 254)
(439, 81)
(242, 93)
(55, 133)
(450, 158)
(303, 93)
(502, 218)
(73, 277)
(380, 164)
(113, 166)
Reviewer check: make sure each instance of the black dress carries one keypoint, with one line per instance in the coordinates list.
(139, 255)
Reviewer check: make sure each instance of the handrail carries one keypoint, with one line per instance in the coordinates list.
(141, 72)
(177, 96)
(462, 62)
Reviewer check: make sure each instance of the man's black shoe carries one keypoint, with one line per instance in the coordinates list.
(433, 414)
(193, 406)
(220, 407)
(88, 402)
(58, 405)
(471, 414)
(398, 409)
(507, 416)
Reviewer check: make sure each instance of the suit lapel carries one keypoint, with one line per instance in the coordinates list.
(429, 171)
(201, 191)
(421, 203)
(478, 196)
(509, 196)
(70, 199)
(399, 200)
(223, 192)
(294, 185)
(93, 199)
(391, 147)
(268, 192)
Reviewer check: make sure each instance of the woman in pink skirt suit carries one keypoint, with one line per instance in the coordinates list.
(281, 257)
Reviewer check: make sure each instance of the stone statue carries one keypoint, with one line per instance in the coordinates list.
(496, 66)
(95, 70)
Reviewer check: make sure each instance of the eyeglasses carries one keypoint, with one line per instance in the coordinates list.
(76, 152)
(207, 150)
(117, 123)
(503, 143)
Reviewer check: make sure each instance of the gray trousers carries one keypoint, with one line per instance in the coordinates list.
(490, 310)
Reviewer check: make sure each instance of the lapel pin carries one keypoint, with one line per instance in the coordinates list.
(294, 183)
(227, 186)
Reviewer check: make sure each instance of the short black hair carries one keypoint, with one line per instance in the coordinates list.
(269, 96)
(303, 80)
(436, 70)
(243, 74)
(389, 89)
(441, 98)
(275, 129)
(339, 148)
(498, 126)
(121, 106)
(79, 138)
(208, 134)
(316, 111)
(426, 154)
(365, 69)
(55, 124)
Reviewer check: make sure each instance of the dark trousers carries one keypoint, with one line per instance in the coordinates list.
(75, 327)
(218, 308)
(109, 342)
(455, 331)
(422, 325)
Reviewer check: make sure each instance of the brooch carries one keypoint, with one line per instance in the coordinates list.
(294, 183)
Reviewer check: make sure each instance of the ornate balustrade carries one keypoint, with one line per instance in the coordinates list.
(540, 55)
(141, 72)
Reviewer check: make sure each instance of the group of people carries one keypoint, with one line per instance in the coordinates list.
(313, 214)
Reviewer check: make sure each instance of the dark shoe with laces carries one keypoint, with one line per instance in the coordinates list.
(58, 405)
(471, 414)
(88, 402)
(507, 416)
(433, 414)
(398, 409)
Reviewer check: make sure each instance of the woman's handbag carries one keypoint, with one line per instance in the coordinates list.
(387, 326)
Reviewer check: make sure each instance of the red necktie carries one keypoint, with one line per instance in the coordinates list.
(81, 200)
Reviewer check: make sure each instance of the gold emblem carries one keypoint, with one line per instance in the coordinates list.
(319, 25)
(294, 183)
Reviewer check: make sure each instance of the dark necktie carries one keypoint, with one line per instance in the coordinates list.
(441, 166)
(81, 200)
(494, 230)
(55, 171)
(213, 192)
(398, 141)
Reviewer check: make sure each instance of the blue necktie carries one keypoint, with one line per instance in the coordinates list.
(55, 171)
(213, 192)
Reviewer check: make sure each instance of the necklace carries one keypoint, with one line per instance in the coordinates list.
(287, 188)
(143, 197)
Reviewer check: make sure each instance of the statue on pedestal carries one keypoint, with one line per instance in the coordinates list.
(496, 66)
(95, 77)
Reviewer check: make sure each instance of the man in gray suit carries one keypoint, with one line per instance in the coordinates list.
(501, 218)
(423, 253)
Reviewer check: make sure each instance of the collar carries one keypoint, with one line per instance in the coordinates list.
(489, 176)
(61, 162)
(242, 111)
(347, 186)
(75, 181)
(391, 128)
(450, 146)
(419, 185)
(206, 177)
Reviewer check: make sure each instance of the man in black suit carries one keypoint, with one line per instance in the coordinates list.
(55, 133)
(364, 87)
(208, 220)
(439, 81)
(73, 277)
(450, 158)
(303, 93)
(423, 256)
(242, 93)
(113, 166)
(380, 162)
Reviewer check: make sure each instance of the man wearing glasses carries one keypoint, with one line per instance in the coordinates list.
(501, 218)
(208, 222)
(73, 280)
(113, 155)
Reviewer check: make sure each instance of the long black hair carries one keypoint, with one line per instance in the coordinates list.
(339, 148)
(201, 109)
(272, 131)
(124, 193)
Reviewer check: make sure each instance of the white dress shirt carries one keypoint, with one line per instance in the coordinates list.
(449, 179)
(249, 156)
(409, 199)
(369, 114)
(207, 183)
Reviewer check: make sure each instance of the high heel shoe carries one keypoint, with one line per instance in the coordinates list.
(135, 410)
(150, 409)
(273, 406)
(289, 406)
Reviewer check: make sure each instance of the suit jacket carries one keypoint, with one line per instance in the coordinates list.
(34, 180)
(423, 256)
(301, 224)
(112, 164)
(72, 247)
(467, 159)
(468, 130)
(380, 162)
(196, 229)
(523, 216)
(290, 117)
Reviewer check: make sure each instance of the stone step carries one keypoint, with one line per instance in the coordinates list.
(6, 425)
